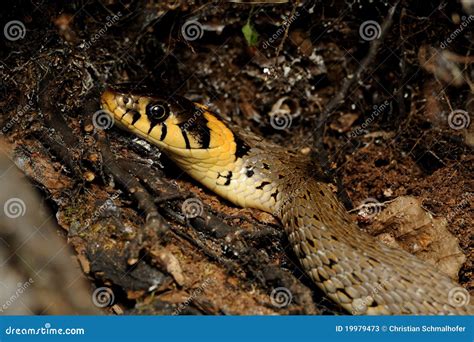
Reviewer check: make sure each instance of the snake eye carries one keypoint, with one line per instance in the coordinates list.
(157, 111)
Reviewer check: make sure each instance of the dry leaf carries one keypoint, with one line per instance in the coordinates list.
(406, 224)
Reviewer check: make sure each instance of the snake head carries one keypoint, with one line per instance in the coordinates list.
(173, 123)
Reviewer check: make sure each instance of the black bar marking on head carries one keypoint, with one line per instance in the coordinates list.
(205, 137)
(136, 116)
(123, 115)
(152, 125)
(186, 139)
(241, 148)
(195, 124)
(260, 187)
(164, 131)
(201, 132)
(274, 195)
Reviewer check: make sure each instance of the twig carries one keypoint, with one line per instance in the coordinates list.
(230, 266)
(60, 138)
(280, 46)
(60, 150)
(153, 220)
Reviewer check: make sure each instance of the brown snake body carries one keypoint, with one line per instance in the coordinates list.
(359, 273)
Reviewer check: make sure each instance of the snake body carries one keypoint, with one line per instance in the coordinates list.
(361, 274)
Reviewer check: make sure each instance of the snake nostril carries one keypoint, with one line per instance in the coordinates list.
(124, 101)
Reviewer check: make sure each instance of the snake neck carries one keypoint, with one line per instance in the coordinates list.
(236, 169)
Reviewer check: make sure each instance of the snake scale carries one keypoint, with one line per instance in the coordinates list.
(361, 274)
